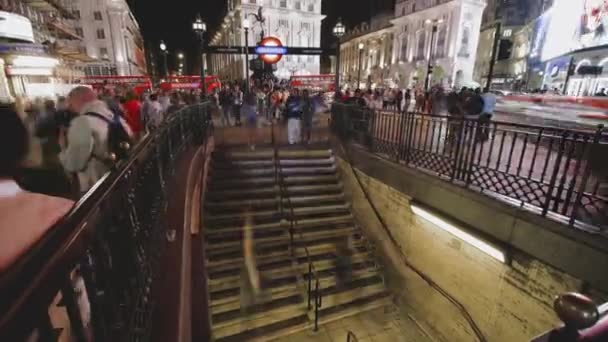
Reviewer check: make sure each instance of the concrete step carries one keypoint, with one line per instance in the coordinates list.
(319, 210)
(310, 170)
(240, 204)
(310, 180)
(313, 199)
(230, 300)
(233, 281)
(307, 162)
(246, 163)
(230, 173)
(240, 183)
(243, 155)
(235, 243)
(260, 192)
(211, 219)
(276, 317)
(298, 154)
(314, 189)
(272, 227)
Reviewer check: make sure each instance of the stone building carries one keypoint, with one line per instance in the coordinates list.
(297, 23)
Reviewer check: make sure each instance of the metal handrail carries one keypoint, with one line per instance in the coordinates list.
(116, 220)
(293, 225)
(351, 337)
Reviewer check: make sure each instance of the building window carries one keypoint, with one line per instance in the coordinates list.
(421, 43)
(284, 23)
(298, 5)
(97, 15)
(252, 1)
(103, 52)
(311, 7)
(413, 7)
(101, 34)
(305, 26)
(79, 31)
(283, 4)
(403, 10)
(76, 14)
(403, 52)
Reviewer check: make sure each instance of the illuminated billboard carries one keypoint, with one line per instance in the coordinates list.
(570, 25)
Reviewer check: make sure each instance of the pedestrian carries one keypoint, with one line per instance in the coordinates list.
(226, 101)
(344, 262)
(237, 96)
(87, 151)
(408, 100)
(177, 102)
(489, 104)
(155, 113)
(25, 217)
(308, 111)
(399, 100)
(249, 113)
(437, 101)
(165, 101)
(132, 108)
(294, 115)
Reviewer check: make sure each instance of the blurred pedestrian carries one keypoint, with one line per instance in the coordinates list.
(294, 115)
(237, 96)
(132, 113)
(86, 151)
(308, 111)
(25, 217)
(248, 112)
(408, 100)
(226, 102)
(155, 113)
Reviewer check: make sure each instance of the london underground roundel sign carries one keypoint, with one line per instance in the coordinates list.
(271, 50)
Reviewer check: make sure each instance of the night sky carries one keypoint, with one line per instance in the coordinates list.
(155, 17)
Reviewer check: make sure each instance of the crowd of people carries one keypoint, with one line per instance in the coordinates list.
(464, 103)
(53, 151)
(294, 106)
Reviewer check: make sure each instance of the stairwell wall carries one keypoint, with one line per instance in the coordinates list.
(507, 302)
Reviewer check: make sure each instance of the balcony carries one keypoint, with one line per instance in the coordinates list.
(50, 6)
(61, 30)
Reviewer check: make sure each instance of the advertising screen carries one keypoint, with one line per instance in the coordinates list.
(570, 25)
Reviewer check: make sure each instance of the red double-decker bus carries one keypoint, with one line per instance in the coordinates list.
(323, 83)
(138, 84)
(191, 82)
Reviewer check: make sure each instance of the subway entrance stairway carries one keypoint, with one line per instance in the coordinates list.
(301, 221)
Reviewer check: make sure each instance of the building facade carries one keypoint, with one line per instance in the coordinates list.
(453, 44)
(111, 36)
(39, 54)
(297, 23)
(369, 66)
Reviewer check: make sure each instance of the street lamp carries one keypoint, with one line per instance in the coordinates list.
(361, 46)
(199, 27)
(180, 55)
(429, 69)
(246, 26)
(163, 51)
(339, 31)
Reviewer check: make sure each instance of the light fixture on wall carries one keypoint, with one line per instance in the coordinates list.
(484, 246)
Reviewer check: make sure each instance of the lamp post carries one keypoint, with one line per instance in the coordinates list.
(339, 31)
(163, 51)
(429, 69)
(361, 46)
(199, 27)
(246, 26)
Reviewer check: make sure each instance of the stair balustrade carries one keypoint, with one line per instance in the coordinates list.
(314, 295)
(102, 261)
(582, 320)
(351, 337)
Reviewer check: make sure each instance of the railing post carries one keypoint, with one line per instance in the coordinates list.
(459, 147)
(309, 285)
(71, 305)
(554, 175)
(317, 304)
(586, 157)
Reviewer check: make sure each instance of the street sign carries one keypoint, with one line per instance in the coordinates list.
(285, 50)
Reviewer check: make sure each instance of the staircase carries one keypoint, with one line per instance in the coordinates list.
(293, 194)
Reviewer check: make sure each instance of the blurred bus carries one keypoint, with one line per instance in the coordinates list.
(138, 84)
(190, 82)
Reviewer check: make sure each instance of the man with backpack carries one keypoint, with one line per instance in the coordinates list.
(96, 138)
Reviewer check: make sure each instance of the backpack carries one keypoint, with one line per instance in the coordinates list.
(117, 135)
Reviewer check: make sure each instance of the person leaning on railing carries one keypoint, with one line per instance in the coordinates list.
(24, 216)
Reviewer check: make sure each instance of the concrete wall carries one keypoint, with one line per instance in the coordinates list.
(507, 302)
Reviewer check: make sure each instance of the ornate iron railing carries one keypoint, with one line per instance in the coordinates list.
(102, 260)
(556, 172)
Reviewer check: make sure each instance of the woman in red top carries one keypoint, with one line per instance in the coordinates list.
(133, 114)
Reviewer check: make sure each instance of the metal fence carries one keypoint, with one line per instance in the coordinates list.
(111, 242)
(555, 172)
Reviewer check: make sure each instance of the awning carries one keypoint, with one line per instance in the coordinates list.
(68, 52)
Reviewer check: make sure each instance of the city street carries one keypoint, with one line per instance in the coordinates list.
(568, 116)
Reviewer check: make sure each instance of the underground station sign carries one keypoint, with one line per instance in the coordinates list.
(270, 49)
